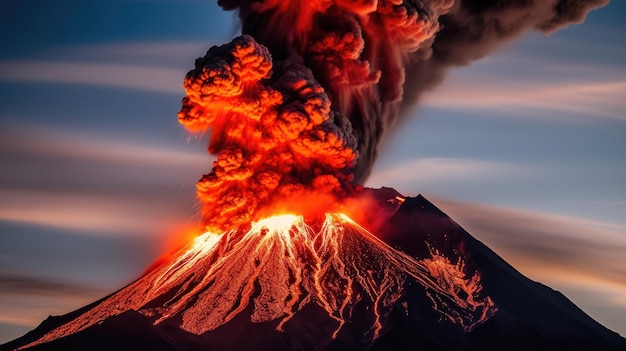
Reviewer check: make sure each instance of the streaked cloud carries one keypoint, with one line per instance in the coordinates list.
(582, 245)
(21, 139)
(84, 212)
(439, 170)
(28, 310)
(29, 285)
(84, 182)
(150, 52)
(155, 66)
(593, 98)
(26, 300)
(532, 85)
(139, 77)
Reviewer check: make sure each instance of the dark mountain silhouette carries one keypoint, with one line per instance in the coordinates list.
(420, 283)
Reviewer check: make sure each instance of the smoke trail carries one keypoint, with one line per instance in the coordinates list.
(371, 54)
(473, 29)
(302, 101)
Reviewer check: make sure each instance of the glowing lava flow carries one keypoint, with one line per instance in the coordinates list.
(280, 265)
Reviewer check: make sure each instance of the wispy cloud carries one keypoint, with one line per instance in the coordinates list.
(146, 52)
(26, 299)
(594, 98)
(19, 284)
(155, 79)
(440, 170)
(83, 182)
(156, 66)
(26, 310)
(86, 212)
(536, 240)
(529, 85)
(21, 139)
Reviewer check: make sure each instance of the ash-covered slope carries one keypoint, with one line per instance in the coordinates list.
(329, 284)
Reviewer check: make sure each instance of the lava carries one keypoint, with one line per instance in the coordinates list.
(295, 108)
(279, 223)
(279, 265)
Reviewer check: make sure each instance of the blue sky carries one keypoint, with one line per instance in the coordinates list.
(526, 149)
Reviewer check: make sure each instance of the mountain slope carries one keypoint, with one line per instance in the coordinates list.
(284, 283)
(529, 315)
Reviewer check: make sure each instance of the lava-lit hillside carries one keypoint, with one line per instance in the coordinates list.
(298, 254)
(328, 284)
(278, 266)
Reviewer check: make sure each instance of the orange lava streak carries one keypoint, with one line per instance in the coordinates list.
(462, 289)
(278, 266)
(332, 280)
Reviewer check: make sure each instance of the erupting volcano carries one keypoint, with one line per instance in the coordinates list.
(289, 282)
(280, 267)
(297, 254)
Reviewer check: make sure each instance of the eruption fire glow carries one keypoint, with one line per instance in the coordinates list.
(296, 107)
(299, 103)
(275, 135)
(281, 264)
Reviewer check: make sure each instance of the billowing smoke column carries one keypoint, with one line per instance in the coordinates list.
(300, 102)
(273, 130)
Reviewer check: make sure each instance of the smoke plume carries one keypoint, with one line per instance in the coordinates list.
(273, 131)
(473, 29)
(301, 101)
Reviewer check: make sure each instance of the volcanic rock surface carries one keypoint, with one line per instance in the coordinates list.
(419, 281)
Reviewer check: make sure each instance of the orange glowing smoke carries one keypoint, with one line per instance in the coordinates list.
(278, 134)
(356, 50)
(309, 117)
(275, 135)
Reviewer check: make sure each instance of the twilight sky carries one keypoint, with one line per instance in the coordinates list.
(526, 149)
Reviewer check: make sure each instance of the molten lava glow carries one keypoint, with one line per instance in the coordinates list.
(199, 247)
(462, 289)
(280, 223)
(282, 264)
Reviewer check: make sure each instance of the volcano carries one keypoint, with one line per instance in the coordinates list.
(416, 281)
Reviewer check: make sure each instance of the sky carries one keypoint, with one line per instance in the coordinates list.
(526, 149)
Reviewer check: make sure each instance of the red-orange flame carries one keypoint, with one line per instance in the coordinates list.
(281, 264)
(276, 137)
